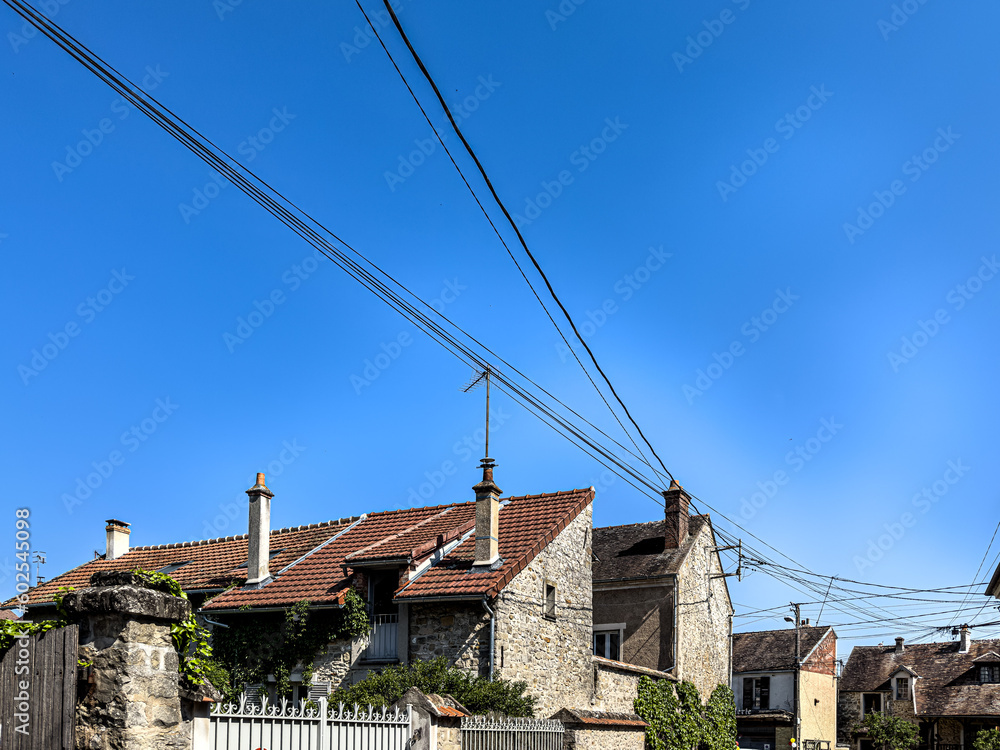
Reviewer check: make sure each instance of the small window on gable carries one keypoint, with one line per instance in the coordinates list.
(549, 610)
(607, 643)
(989, 673)
(902, 688)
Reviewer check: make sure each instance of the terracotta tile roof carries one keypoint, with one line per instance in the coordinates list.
(768, 650)
(947, 682)
(600, 718)
(316, 562)
(449, 711)
(527, 525)
(637, 550)
(209, 564)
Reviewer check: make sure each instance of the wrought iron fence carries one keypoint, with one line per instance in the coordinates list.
(306, 725)
(484, 733)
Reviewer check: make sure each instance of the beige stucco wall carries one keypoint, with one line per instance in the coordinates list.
(552, 656)
(703, 618)
(819, 720)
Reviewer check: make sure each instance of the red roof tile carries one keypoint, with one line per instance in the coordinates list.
(316, 562)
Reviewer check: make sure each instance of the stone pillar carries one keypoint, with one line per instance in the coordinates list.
(134, 699)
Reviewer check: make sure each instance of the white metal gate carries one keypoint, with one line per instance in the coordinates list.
(484, 733)
(312, 725)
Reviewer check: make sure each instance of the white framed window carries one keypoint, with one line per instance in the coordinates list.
(608, 640)
(902, 688)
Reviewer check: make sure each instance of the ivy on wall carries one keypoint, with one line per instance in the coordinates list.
(677, 719)
(257, 645)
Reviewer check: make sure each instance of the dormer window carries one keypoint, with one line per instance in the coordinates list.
(989, 673)
(902, 688)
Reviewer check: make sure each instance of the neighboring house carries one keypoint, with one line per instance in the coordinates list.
(499, 587)
(6, 614)
(950, 691)
(765, 678)
(660, 596)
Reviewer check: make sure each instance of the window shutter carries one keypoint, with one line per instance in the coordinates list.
(748, 693)
(765, 692)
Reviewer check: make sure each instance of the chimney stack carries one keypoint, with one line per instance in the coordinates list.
(963, 642)
(487, 516)
(677, 515)
(117, 539)
(259, 552)
(899, 645)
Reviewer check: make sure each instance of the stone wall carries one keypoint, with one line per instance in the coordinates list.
(552, 655)
(848, 716)
(135, 699)
(703, 617)
(647, 611)
(337, 663)
(604, 739)
(458, 631)
(616, 684)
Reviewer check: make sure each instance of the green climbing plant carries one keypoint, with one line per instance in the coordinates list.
(678, 720)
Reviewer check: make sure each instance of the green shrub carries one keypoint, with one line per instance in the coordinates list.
(477, 694)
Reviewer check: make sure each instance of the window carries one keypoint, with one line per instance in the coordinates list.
(608, 643)
(989, 673)
(549, 611)
(871, 703)
(756, 693)
(902, 688)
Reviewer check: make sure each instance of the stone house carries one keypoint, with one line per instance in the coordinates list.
(950, 691)
(765, 678)
(499, 586)
(660, 596)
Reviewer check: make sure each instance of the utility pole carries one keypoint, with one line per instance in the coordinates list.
(797, 726)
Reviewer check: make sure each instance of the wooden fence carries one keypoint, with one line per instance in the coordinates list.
(38, 685)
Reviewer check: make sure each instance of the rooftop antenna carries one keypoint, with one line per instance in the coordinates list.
(39, 562)
(478, 378)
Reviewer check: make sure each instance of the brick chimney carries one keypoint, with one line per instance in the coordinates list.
(899, 645)
(487, 516)
(259, 551)
(677, 515)
(963, 640)
(117, 539)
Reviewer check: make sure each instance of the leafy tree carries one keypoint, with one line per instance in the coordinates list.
(720, 720)
(478, 694)
(889, 732)
(987, 739)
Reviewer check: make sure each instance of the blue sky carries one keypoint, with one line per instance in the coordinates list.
(793, 205)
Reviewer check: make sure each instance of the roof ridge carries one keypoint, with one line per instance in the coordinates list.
(236, 537)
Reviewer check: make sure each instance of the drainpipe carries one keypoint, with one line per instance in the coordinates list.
(493, 642)
(677, 605)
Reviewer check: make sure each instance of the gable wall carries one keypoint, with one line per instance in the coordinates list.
(647, 613)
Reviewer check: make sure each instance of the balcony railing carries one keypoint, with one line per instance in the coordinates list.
(382, 646)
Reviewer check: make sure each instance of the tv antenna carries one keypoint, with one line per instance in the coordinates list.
(39, 562)
(477, 380)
